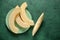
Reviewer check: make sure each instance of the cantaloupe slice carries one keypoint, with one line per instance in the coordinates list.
(38, 24)
(12, 19)
(21, 23)
(20, 29)
(23, 14)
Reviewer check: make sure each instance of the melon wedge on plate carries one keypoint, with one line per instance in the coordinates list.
(21, 30)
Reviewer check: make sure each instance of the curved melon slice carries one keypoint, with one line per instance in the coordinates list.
(21, 23)
(12, 20)
(23, 14)
(21, 30)
(38, 24)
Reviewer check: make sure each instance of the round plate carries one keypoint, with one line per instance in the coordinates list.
(21, 30)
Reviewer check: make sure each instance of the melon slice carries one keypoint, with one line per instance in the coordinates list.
(38, 24)
(23, 14)
(20, 29)
(12, 19)
(20, 22)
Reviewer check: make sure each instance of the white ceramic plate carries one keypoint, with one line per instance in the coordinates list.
(21, 30)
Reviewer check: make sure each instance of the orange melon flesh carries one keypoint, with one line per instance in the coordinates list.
(38, 24)
(21, 23)
(20, 29)
(23, 14)
(12, 19)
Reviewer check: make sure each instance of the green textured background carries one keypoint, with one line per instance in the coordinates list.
(50, 28)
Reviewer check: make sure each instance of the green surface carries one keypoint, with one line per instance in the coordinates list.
(21, 30)
(50, 28)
